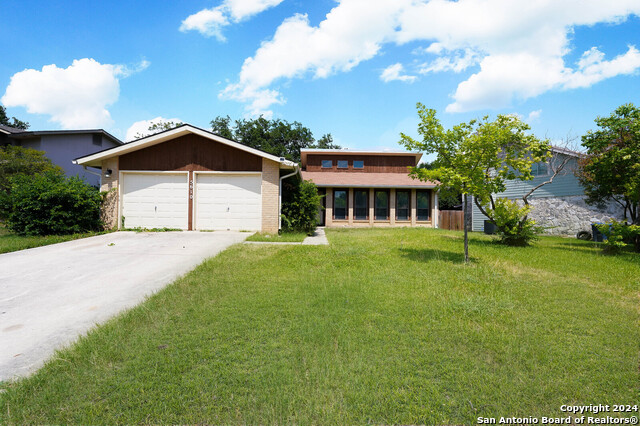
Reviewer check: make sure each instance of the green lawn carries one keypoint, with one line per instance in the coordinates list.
(287, 237)
(12, 242)
(381, 326)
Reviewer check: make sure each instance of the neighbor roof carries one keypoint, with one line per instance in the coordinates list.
(95, 159)
(566, 151)
(368, 180)
(26, 134)
(8, 130)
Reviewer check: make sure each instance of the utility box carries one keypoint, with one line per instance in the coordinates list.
(489, 227)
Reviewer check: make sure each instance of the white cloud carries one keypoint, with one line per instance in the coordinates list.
(210, 22)
(592, 67)
(74, 97)
(457, 62)
(241, 9)
(533, 115)
(394, 72)
(519, 46)
(352, 32)
(142, 127)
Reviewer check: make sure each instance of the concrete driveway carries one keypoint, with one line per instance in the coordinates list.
(50, 295)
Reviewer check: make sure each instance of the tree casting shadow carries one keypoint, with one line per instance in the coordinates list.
(431, 255)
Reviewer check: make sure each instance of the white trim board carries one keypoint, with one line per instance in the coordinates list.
(97, 158)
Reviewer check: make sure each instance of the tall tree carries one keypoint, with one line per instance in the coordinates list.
(277, 137)
(157, 127)
(13, 122)
(326, 142)
(611, 169)
(476, 158)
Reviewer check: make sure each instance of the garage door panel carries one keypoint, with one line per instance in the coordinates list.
(228, 202)
(155, 201)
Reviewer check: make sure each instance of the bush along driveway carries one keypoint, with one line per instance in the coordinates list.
(381, 326)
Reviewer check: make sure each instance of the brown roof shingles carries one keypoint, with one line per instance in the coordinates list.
(372, 180)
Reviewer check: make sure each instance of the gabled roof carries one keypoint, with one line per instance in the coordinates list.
(8, 130)
(95, 159)
(304, 152)
(565, 151)
(26, 134)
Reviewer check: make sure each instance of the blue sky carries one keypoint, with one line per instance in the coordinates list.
(352, 68)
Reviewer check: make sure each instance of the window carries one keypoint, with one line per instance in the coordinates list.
(382, 205)
(97, 139)
(343, 164)
(422, 198)
(361, 201)
(358, 164)
(402, 205)
(327, 164)
(539, 169)
(340, 205)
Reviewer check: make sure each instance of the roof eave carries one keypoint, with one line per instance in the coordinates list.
(95, 160)
(429, 186)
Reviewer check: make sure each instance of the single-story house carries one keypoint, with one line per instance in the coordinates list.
(189, 178)
(62, 146)
(370, 188)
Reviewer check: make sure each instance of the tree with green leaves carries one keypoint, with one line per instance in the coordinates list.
(611, 169)
(157, 127)
(278, 137)
(476, 158)
(13, 122)
(447, 199)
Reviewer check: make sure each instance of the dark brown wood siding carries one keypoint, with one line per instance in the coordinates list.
(372, 163)
(193, 153)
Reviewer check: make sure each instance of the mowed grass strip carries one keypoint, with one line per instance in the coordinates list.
(287, 237)
(382, 326)
(12, 242)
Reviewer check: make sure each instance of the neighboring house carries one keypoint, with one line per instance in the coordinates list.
(191, 179)
(62, 146)
(559, 206)
(366, 188)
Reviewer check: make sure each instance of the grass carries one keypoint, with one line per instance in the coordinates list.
(12, 242)
(382, 326)
(287, 237)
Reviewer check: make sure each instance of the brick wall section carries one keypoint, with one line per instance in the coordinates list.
(270, 195)
(109, 208)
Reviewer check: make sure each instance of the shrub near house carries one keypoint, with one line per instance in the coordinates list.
(50, 204)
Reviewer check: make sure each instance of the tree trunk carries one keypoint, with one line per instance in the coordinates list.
(466, 226)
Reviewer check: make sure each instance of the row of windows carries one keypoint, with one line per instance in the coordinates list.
(343, 164)
(381, 204)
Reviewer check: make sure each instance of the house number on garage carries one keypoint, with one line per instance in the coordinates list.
(191, 189)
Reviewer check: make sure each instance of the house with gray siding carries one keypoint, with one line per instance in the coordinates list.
(63, 146)
(559, 206)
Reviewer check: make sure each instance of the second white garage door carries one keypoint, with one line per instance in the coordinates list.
(228, 201)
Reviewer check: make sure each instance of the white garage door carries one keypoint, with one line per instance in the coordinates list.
(228, 201)
(155, 200)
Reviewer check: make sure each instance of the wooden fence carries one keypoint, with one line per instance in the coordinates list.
(451, 219)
